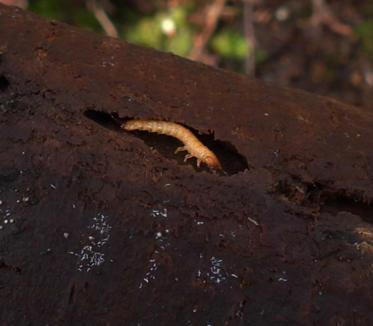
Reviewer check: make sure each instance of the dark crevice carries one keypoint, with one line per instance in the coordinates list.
(72, 293)
(109, 121)
(4, 83)
(342, 201)
(328, 199)
(231, 161)
(8, 175)
(348, 235)
(4, 264)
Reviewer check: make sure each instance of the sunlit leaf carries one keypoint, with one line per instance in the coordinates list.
(230, 44)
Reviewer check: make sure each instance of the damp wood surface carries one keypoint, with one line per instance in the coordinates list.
(102, 226)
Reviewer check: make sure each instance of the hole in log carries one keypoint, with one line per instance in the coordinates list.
(232, 162)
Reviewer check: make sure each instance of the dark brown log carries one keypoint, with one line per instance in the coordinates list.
(105, 227)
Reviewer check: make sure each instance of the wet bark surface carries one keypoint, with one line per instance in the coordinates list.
(100, 226)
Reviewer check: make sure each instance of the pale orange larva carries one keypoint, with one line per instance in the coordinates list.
(191, 144)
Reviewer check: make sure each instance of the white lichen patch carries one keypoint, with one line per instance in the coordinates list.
(159, 212)
(150, 272)
(213, 272)
(162, 243)
(91, 255)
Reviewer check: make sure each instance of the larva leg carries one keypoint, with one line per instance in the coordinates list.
(187, 157)
(198, 162)
(180, 149)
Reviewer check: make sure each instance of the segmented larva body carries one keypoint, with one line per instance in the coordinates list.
(191, 143)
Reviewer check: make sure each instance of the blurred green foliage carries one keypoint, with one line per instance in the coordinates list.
(172, 29)
(54, 9)
(151, 29)
(148, 31)
(61, 10)
(85, 19)
(365, 31)
(295, 45)
(230, 44)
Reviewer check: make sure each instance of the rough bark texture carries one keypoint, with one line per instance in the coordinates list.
(105, 227)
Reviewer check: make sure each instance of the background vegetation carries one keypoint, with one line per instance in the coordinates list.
(324, 46)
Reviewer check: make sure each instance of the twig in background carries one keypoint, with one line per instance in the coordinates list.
(323, 15)
(248, 20)
(212, 16)
(102, 18)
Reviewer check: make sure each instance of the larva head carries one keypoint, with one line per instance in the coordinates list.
(212, 162)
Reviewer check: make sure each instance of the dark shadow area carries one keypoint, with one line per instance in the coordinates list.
(231, 161)
(349, 236)
(106, 120)
(341, 201)
(328, 199)
(4, 83)
(8, 175)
